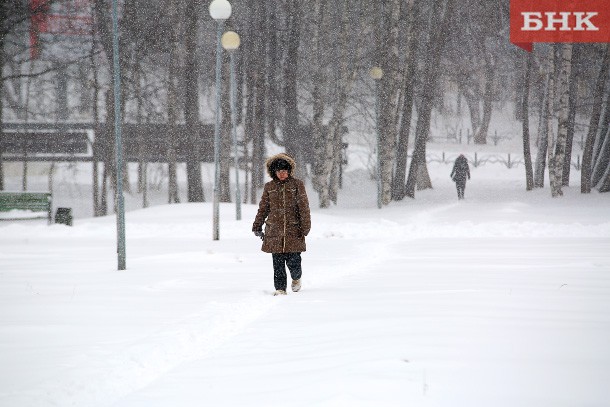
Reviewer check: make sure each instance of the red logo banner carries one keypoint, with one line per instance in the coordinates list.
(559, 21)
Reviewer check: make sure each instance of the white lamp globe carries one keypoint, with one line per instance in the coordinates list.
(230, 40)
(376, 73)
(220, 9)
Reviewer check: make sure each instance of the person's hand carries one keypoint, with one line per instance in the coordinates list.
(260, 234)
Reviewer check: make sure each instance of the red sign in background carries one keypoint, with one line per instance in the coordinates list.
(62, 18)
(559, 21)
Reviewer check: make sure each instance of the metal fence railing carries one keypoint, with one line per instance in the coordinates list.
(478, 160)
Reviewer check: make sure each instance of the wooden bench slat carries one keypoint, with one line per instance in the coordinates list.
(29, 201)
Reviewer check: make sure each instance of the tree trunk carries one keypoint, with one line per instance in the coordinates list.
(480, 137)
(191, 106)
(318, 133)
(335, 173)
(332, 143)
(604, 183)
(437, 40)
(390, 84)
(172, 105)
(601, 158)
(558, 151)
(255, 83)
(587, 155)
(527, 156)
(291, 115)
(398, 188)
(473, 108)
(2, 58)
(104, 29)
(274, 101)
(550, 118)
(140, 136)
(567, 164)
(543, 138)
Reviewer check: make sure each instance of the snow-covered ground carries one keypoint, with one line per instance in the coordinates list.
(502, 299)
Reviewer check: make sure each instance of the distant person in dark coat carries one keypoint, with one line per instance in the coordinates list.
(461, 171)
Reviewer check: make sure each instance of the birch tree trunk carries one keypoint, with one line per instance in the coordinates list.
(544, 125)
(346, 79)
(390, 84)
(335, 173)
(567, 164)
(435, 46)
(601, 159)
(585, 175)
(527, 155)
(398, 187)
(559, 149)
(604, 183)
(550, 122)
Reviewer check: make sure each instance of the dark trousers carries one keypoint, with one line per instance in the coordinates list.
(280, 261)
(461, 186)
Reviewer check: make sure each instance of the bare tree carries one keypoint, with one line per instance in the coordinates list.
(585, 176)
(558, 150)
(318, 83)
(418, 173)
(388, 103)
(195, 191)
(601, 148)
(529, 175)
(330, 139)
(15, 19)
(256, 91)
(408, 89)
(291, 65)
(572, 87)
(546, 119)
(173, 109)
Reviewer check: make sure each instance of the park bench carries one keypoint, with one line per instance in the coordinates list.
(33, 205)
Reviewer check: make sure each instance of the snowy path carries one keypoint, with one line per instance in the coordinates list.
(409, 329)
(488, 303)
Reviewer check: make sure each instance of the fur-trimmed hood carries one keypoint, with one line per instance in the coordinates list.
(280, 156)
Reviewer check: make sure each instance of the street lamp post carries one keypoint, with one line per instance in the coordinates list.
(377, 73)
(120, 207)
(220, 10)
(230, 42)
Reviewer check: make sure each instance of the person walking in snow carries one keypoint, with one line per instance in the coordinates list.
(460, 172)
(284, 210)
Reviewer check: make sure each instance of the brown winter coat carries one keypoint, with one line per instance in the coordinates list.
(284, 210)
